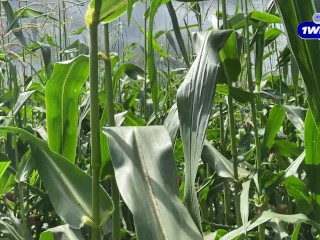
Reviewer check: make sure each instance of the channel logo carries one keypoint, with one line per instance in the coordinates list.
(310, 30)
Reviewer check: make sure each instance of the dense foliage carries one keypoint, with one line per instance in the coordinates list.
(195, 132)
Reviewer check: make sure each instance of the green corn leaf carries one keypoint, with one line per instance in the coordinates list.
(146, 175)
(65, 183)
(220, 163)
(194, 101)
(312, 161)
(297, 189)
(13, 21)
(110, 10)
(267, 216)
(293, 12)
(229, 56)
(296, 231)
(244, 204)
(276, 117)
(264, 17)
(4, 163)
(21, 100)
(271, 35)
(62, 96)
(131, 70)
(61, 232)
(177, 32)
(10, 232)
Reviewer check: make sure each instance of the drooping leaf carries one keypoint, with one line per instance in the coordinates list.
(267, 216)
(14, 24)
(146, 175)
(131, 70)
(294, 12)
(297, 189)
(286, 148)
(110, 10)
(69, 187)
(194, 102)
(61, 232)
(271, 35)
(62, 96)
(264, 17)
(296, 115)
(22, 98)
(219, 163)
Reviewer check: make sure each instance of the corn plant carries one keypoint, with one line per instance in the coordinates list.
(194, 131)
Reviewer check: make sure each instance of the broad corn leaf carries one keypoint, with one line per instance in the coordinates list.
(146, 175)
(62, 96)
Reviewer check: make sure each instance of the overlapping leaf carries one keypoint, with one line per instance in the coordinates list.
(294, 12)
(194, 102)
(68, 186)
(146, 175)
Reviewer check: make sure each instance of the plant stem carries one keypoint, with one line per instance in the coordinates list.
(226, 201)
(20, 193)
(111, 123)
(254, 114)
(234, 153)
(94, 120)
(145, 66)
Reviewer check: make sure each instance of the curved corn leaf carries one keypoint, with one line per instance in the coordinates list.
(22, 98)
(219, 163)
(14, 24)
(68, 186)
(312, 161)
(146, 175)
(298, 190)
(61, 232)
(62, 96)
(293, 12)
(194, 102)
(267, 216)
(131, 70)
(110, 10)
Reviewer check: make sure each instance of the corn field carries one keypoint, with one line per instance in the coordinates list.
(159, 120)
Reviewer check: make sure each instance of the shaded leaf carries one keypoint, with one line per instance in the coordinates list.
(68, 186)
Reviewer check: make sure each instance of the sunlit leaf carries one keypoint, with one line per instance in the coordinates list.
(194, 102)
(62, 96)
(146, 175)
(267, 216)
